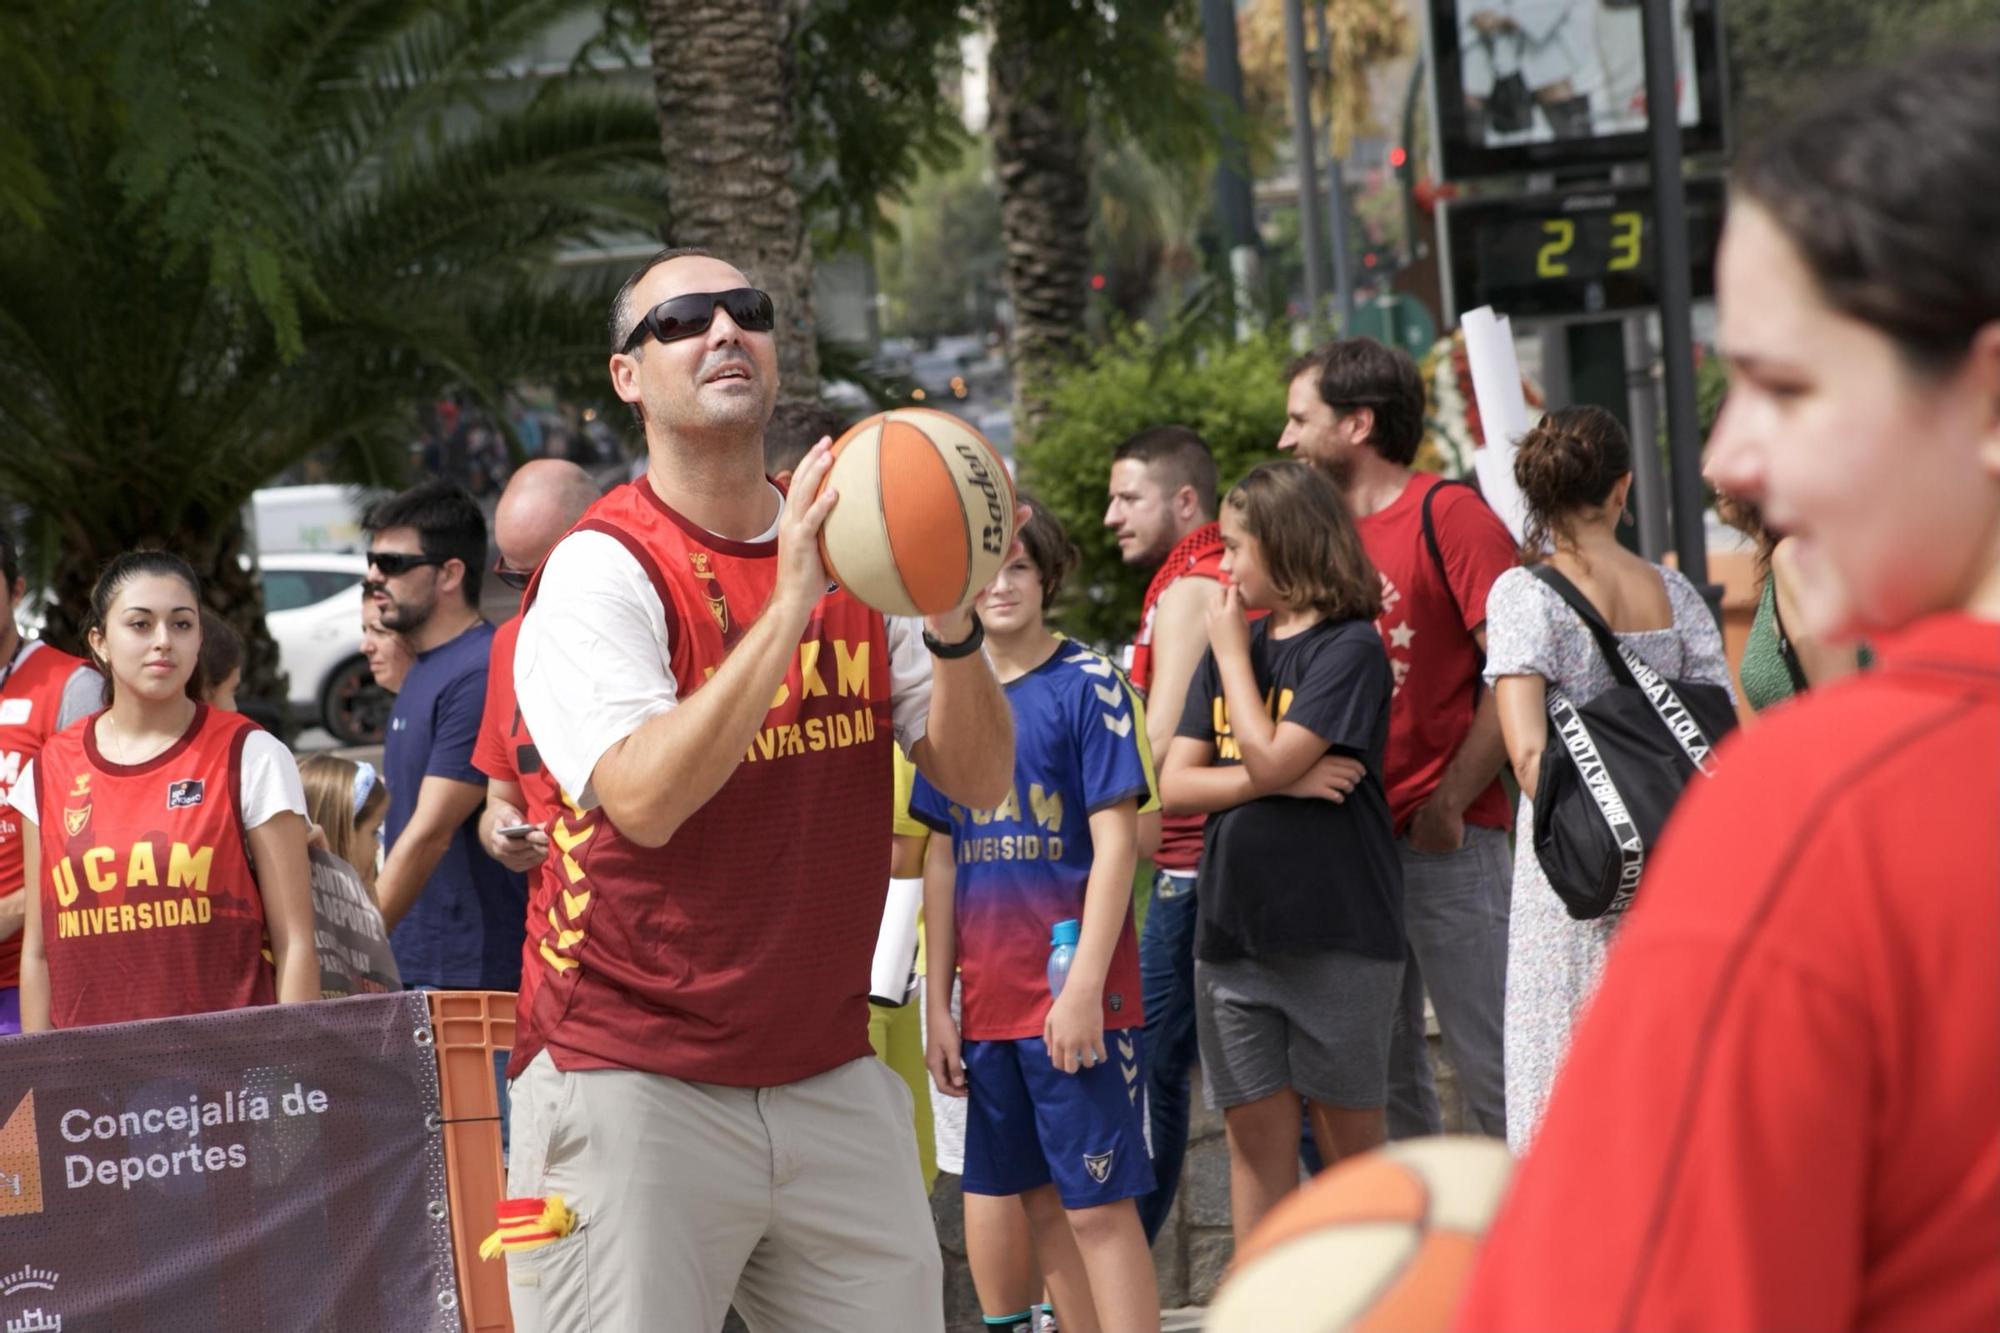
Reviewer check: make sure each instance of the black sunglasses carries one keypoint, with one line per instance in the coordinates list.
(393, 563)
(687, 316)
(517, 579)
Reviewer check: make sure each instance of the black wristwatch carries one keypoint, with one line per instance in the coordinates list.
(965, 647)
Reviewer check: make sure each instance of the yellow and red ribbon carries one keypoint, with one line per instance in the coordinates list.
(526, 1224)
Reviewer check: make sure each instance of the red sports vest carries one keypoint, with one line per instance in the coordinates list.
(507, 752)
(149, 906)
(30, 701)
(1197, 555)
(737, 953)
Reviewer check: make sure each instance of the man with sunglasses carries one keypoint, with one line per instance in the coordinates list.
(455, 914)
(705, 1103)
(543, 500)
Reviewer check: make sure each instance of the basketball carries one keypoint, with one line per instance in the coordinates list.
(1383, 1241)
(925, 514)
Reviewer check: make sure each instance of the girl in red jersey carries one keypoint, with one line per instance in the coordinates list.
(165, 840)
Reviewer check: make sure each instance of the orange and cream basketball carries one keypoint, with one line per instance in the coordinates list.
(925, 514)
(1384, 1241)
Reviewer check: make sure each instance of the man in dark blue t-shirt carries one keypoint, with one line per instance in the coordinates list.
(456, 916)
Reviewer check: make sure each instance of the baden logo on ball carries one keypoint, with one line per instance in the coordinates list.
(925, 515)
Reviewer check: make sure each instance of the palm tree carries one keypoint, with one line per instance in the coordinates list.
(270, 231)
(1056, 69)
(1040, 129)
(725, 77)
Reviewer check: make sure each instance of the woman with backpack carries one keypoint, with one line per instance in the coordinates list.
(1575, 472)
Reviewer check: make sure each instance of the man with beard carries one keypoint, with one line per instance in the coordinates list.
(455, 914)
(705, 1124)
(1356, 410)
(1162, 514)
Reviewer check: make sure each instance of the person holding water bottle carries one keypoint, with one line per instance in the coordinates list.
(1038, 917)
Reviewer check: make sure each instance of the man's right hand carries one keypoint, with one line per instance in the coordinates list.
(801, 574)
(1329, 779)
(517, 854)
(942, 1054)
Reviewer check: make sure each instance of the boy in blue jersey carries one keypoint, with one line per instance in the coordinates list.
(1052, 1086)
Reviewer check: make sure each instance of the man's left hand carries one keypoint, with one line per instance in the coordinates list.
(1436, 829)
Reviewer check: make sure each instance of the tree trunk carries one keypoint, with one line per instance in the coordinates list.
(1039, 156)
(723, 74)
(235, 594)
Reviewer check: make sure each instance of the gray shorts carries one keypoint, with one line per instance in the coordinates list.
(1318, 1024)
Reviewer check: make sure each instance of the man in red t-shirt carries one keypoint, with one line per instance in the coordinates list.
(1356, 410)
(41, 692)
(1162, 511)
(542, 502)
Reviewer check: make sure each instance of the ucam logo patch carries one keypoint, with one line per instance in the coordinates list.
(1099, 1165)
(184, 793)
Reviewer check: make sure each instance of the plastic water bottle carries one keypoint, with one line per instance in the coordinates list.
(1062, 950)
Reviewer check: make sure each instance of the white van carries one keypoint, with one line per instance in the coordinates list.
(323, 518)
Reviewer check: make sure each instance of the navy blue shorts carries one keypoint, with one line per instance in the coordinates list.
(1028, 1124)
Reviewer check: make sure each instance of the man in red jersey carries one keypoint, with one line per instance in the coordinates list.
(706, 1104)
(543, 500)
(1355, 410)
(42, 691)
(1162, 512)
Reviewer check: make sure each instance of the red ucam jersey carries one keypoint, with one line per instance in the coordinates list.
(31, 696)
(149, 907)
(1197, 555)
(738, 952)
(506, 752)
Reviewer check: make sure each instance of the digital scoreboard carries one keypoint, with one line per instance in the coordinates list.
(1570, 254)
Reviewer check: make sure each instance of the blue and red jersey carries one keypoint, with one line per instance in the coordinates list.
(1024, 866)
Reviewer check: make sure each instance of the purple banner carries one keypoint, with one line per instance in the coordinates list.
(273, 1168)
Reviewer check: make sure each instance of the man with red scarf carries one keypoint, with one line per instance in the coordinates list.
(1162, 511)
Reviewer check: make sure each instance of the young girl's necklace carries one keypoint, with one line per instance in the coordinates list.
(124, 756)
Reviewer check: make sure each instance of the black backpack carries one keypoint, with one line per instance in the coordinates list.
(1613, 768)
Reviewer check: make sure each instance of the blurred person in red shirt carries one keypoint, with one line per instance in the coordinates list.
(1783, 1108)
(42, 691)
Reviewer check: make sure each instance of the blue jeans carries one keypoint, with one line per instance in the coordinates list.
(1166, 983)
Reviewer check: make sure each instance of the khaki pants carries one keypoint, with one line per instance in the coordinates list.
(801, 1204)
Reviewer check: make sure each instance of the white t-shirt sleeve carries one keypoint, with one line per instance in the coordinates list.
(271, 783)
(591, 664)
(22, 798)
(83, 694)
(909, 679)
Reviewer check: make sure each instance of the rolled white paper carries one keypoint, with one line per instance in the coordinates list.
(1503, 413)
(896, 943)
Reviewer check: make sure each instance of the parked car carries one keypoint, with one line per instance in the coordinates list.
(312, 604)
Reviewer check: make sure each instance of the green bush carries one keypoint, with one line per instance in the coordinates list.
(1232, 393)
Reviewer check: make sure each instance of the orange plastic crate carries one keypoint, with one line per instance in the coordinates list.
(470, 1027)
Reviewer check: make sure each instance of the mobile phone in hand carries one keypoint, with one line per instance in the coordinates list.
(515, 830)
